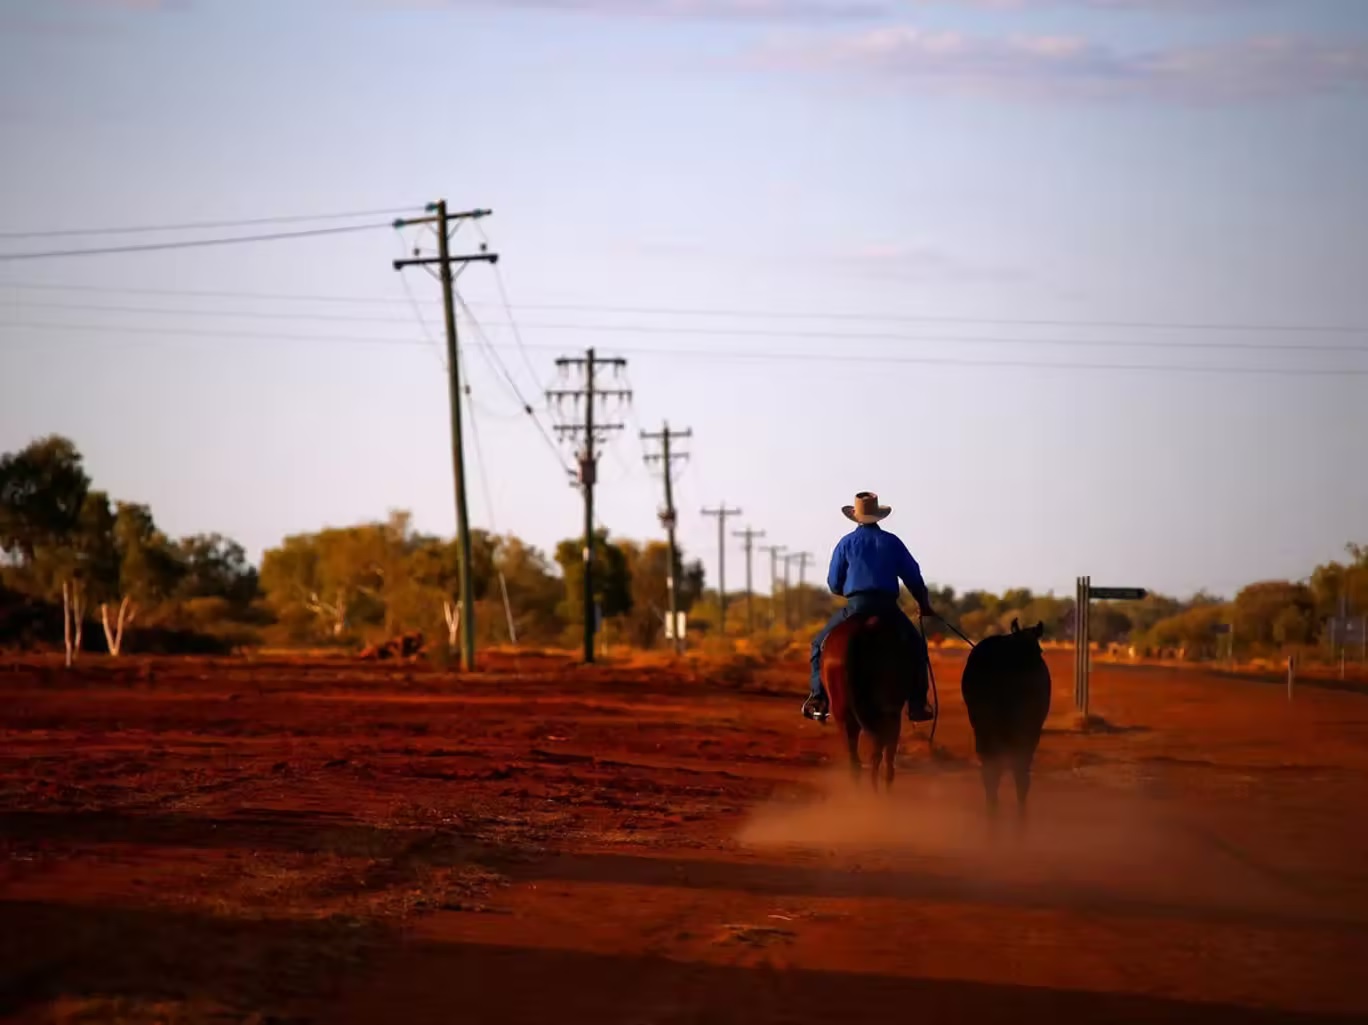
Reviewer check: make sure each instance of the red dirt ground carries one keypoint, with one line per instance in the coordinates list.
(249, 841)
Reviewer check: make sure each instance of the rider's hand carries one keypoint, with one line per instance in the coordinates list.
(928, 613)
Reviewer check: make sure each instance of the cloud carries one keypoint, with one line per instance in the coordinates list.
(1071, 67)
(903, 262)
(143, 6)
(1168, 6)
(701, 10)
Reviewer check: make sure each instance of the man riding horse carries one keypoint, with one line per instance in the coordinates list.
(865, 568)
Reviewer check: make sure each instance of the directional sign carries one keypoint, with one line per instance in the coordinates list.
(1344, 630)
(1117, 593)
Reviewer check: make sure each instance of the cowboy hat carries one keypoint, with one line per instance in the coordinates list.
(866, 508)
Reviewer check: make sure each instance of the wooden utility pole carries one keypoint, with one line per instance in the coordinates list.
(442, 222)
(775, 551)
(749, 536)
(803, 559)
(588, 460)
(667, 515)
(722, 512)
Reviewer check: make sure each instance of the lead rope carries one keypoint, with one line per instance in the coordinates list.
(935, 693)
(931, 677)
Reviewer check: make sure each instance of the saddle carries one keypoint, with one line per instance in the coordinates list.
(874, 621)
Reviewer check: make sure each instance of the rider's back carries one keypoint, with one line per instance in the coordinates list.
(874, 560)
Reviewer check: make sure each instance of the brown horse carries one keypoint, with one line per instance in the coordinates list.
(864, 669)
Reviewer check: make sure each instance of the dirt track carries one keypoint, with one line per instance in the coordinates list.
(189, 841)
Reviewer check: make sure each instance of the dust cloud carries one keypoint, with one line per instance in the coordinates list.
(1097, 844)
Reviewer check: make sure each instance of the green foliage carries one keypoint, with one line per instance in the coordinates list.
(42, 493)
(1272, 614)
(1191, 631)
(612, 578)
(354, 583)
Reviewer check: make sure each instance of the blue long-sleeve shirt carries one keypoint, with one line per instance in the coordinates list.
(871, 559)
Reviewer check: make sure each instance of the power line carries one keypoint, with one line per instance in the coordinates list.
(936, 319)
(441, 359)
(655, 329)
(209, 293)
(724, 354)
(527, 406)
(481, 465)
(148, 247)
(508, 309)
(263, 336)
(141, 229)
(1103, 343)
(679, 311)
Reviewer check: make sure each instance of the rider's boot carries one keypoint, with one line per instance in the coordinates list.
(815, 707)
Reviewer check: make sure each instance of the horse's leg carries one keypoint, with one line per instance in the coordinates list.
(880, 753)
(891, 749)
(853, 742)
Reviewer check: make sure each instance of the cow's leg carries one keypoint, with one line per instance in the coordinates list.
(992, 775)
(1021, 772)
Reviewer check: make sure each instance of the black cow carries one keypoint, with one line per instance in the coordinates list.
(1006, 687)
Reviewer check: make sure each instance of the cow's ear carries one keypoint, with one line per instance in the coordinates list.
(1016, 627)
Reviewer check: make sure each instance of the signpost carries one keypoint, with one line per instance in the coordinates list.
(1084, 596)
(1349, 632)
(1117, 593)
(1226, 630)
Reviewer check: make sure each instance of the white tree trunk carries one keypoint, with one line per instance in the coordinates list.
(452, 612)
(78, 607)
(337, 612)
(114, 638)
(66, 620)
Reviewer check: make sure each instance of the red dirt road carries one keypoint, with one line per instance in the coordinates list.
(237, 841)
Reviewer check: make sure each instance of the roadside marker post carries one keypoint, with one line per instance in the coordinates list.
(1084, 596)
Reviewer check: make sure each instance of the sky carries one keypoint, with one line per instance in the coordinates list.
(897, 245)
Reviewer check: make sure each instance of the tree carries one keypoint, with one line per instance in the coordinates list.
(612, 580)
(1191, 631)
(214, 566)
(293, 581)
(648, 567)
(1339, 586)
(95, 558)
(149, 569)
(534, 591)
(1274, 613)
(42, 492)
